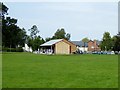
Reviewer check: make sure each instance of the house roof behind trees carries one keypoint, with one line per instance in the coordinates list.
(80, 43)
(98, 42)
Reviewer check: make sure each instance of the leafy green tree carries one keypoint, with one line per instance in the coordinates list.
(68, 36)
(106, 43)
(33, 34)
(61, 34)
(37, 42)
(33, 40)
(33, 31)
(29, 41)
(12, 35)
(116, 43)
(0, 26)
(85, 40)
(22, 37)
(48, 39)
(42, 41)
(3, 10)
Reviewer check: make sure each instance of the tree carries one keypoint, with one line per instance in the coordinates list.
(32, 39)
(116, 43)
(68, 36)
(29, 41)
(12, 35)
(85, 40)
(61, 34)
(22, 37)
(4, 10)
(35, 43)
(0, 26)
(33, 31)
(48, 39)
(106, 43)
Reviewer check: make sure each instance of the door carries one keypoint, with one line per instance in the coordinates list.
(70, 49)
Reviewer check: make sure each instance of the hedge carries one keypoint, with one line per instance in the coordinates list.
(19, 49)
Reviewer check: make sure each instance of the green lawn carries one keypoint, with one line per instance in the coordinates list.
(25, 70)
(0, 70)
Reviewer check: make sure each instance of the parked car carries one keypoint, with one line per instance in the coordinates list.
(103, 52)
(112, 52)
(109, 52)
(94, 52)
(99, 52)
(85, 52)
(117, 52)
(79, 52)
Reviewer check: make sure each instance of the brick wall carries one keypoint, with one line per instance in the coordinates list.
(92, 46)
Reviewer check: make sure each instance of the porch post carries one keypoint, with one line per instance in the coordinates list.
(51, 49)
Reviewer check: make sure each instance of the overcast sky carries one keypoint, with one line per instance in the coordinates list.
(80, 19)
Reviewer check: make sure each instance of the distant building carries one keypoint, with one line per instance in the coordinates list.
(87, 47)
(58, 46)
(94, 45)
(81, 45)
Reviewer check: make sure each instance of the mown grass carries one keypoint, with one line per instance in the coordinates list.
(26, 70)
(0, 70)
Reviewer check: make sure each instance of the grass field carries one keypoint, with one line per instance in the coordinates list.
(25, 70)
(0, 70)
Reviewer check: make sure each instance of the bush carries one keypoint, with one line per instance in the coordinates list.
(19, 49)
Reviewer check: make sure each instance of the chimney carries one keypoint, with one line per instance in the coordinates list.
(95, 45)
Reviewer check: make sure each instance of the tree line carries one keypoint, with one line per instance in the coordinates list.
(14, 37)
(109, 43)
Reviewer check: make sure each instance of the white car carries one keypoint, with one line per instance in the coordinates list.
(112, 52)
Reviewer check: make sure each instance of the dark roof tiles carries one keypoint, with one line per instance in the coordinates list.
(80, 43)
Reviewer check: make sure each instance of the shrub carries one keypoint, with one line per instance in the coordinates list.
(19, 49)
